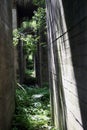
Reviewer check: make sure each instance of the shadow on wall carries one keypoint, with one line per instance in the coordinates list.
(68, 54)
(61, 96)
(76, 22)
(56, 83)
(57, 94)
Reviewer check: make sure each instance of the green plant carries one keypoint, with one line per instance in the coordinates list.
(40, 3)
(32, 109)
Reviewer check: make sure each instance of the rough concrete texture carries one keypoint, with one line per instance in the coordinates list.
(6, 66)
(14, 26)
(44, 65)
(67, 50)
(41, 65)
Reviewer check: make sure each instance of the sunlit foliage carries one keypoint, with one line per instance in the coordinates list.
(33, 109)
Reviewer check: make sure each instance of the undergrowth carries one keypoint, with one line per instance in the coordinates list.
(32, 109)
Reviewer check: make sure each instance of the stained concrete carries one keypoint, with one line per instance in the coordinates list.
(67, 50)
(6, 66)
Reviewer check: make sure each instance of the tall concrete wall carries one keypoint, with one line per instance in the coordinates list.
(14, 18)
(6, 66)
(67, 50)
(14, 26)
(41, 65)
(44, 65)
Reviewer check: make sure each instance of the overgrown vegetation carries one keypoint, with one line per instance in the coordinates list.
(32, 33)
(32, 109)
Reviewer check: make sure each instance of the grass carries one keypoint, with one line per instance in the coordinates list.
(32, 110)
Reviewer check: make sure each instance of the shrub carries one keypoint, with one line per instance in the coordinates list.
(32, 109)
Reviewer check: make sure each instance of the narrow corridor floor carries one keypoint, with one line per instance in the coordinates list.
(32, 109)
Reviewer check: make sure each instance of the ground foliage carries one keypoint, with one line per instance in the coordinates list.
(32, 109)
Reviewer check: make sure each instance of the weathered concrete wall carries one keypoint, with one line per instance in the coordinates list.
(67, 49)
(14, 25)
(6, 66)
(42, 65)
(21, 61)
(14, 18)
(42, 59)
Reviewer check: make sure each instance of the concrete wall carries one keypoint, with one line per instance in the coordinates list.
(67, 50)
(44, 64)
(6, 66)
(14, 18)
(41, 65)
(14, 26)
